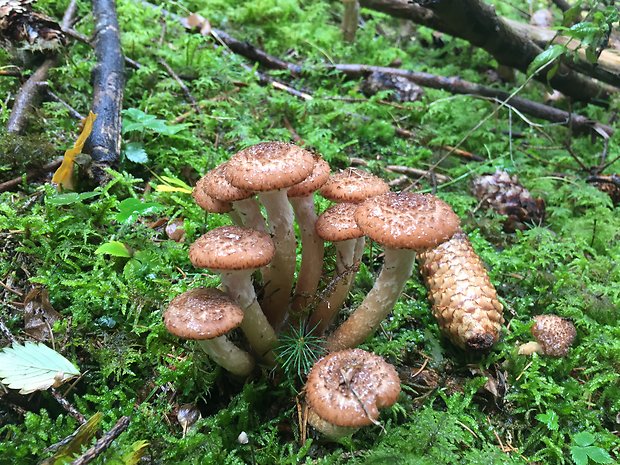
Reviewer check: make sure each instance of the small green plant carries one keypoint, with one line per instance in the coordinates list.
(298, 350)
(583, 450)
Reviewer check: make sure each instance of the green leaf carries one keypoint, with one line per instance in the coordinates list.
(176, 182)
(69, 198)
(550, 419)
(114, 248)
(136, 120)
(131, 208)
(598, 455)
(579, 455)
(545, 58)
(34, 367)
(584, 439)
(134, 151)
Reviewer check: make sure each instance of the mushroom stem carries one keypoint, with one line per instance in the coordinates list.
(255, 326)
(228, 355)
(312, 253)
(249, 212)
(397, 267)
(282, 266)
(328, 429)
(530, 348)
(348, 253)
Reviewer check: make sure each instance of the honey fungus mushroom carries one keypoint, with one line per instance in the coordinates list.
(554, 336)
(206, 315)
(347, 388)
(403, 223)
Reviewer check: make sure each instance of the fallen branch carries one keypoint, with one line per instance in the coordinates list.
(179, 81)
(477, 23)
(104, 143)
(30, 175)
(103, 443)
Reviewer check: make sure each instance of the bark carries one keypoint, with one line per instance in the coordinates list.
(103, 443)
(13, 183)
(477, 23)
(104, 143)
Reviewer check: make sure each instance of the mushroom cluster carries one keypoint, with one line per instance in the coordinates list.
(257, 261)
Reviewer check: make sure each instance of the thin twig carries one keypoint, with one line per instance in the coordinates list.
(64, 403)
(13, 183)
(184, 88)
(102, 444)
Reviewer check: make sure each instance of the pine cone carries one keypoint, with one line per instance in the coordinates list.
(464, 300)
(610, 184)
(24, 28)
(504, 194)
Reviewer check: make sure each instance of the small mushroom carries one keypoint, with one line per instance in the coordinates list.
(207, 315)
(269, 169)
(236, 253)
(347, 388)
(338, 225)
(403, 223)
(353, 185)
(554, 336)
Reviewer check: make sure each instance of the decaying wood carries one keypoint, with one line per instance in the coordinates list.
(477, 23)
(104, 143)
(30, 175)
(30, 90)
(350, 18)
(103, 443)
(27, 29)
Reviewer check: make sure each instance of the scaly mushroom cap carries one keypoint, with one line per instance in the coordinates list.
(407, 220)
(269, 166)
(554, 334)
(202, 313)
(215, 185)
(348, 387)
(208, 203)
(232, 248)
(337, 223)
(318, 177)
(353, 185)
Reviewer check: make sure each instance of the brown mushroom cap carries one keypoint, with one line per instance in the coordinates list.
(232, 248)
(554, 334)
(353, 185)
(407, 220)
(202, 313)
(318, 177)
(208, 203)
(348, 387)
(269, 166)
(338, 224)
(215, 185)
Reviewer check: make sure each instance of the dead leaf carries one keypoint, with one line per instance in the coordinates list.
(39, 315)
(197, 22)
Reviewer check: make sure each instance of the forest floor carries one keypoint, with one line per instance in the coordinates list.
(106, 310)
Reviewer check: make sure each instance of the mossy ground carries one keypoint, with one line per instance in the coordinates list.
(497, 408)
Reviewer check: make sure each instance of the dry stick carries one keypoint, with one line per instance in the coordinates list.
(30, 90)
(103, 443)
(184, 88)
(453, 85)
(104, 143)
(477, 22)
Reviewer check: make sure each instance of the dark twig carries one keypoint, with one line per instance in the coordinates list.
(184, 88)
(102, 444)
(53, 96)
(64, 403)
(30, 175)
(104, 143)
(562, 5)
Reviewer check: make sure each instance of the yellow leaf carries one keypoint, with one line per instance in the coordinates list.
(167, 188)
(63, 176)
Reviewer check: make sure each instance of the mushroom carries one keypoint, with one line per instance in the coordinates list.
(312, 248)
(403, 223)
(347, 388)
(269, 169)
(207, 315)
(235, 253)
(353, 185)
(337, 225)
(244, 205)
(554, 336)
(211, 205)
(464, 300)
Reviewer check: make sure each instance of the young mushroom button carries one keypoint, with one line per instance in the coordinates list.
(554, 336)
(269, 169)
(403, 223)
(347, 388)
(207, 315)
(235, 253)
